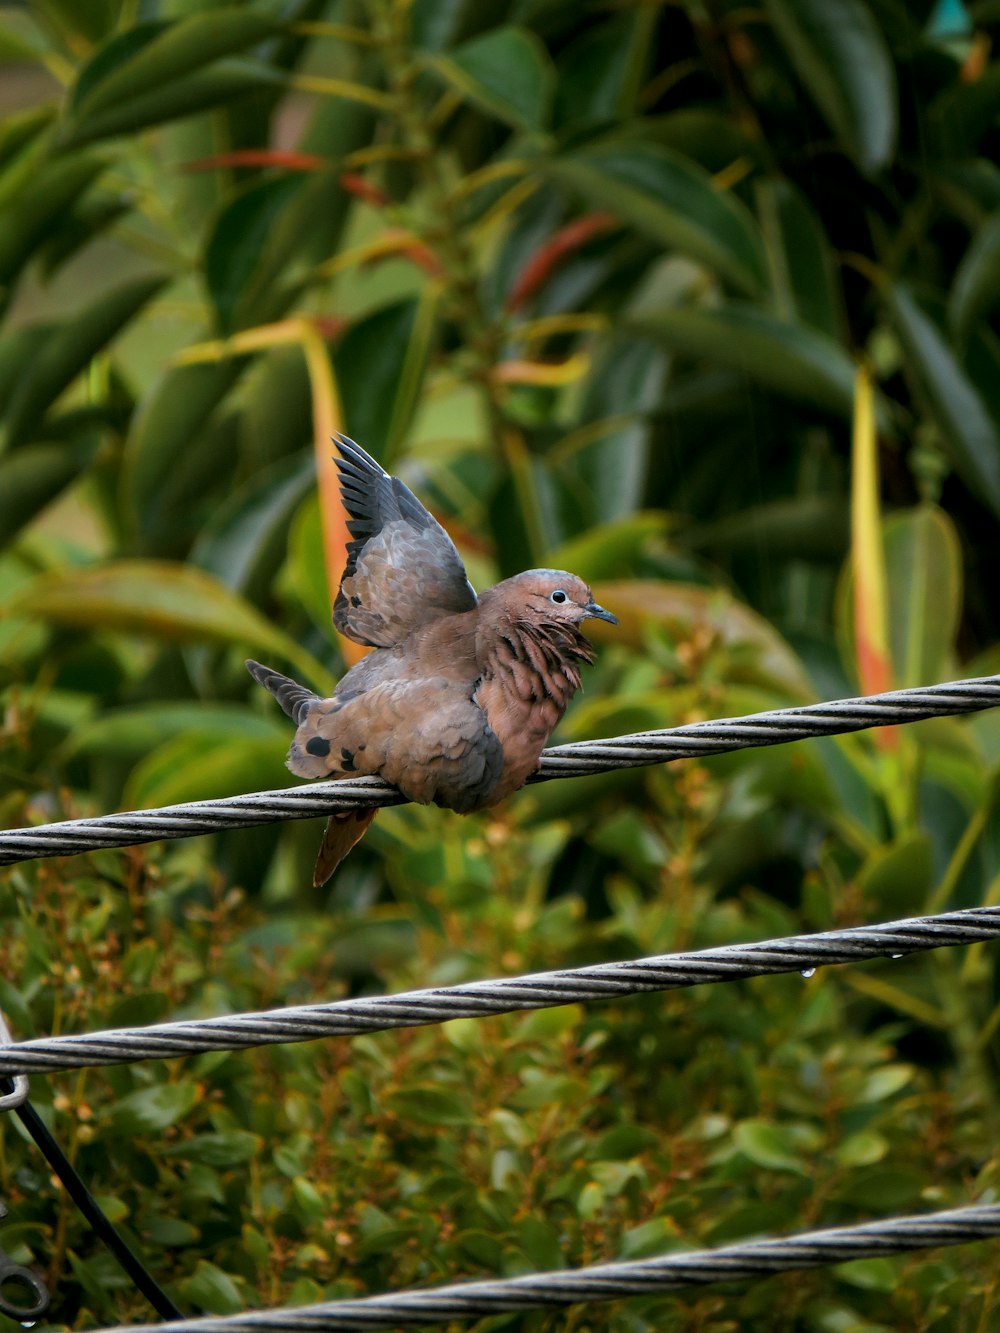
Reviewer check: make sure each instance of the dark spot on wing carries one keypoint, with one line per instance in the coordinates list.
(318, 746)
(347, 760)
(355, 601)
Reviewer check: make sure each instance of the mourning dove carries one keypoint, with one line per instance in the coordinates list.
(458, 699)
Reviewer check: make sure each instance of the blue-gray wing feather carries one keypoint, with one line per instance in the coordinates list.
(402, 567)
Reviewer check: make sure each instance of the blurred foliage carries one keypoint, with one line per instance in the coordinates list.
(598, 281)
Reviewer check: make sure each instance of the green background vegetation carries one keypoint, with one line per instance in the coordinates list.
(596, 279)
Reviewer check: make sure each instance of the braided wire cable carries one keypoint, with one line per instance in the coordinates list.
(574, 760)
(478, 999)
(417, 1008)
(609, 1282)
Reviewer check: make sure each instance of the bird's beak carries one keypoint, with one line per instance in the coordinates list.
(598, 613)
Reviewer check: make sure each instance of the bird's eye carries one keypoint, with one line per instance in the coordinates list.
(558, 597)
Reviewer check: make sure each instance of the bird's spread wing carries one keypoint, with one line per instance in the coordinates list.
(402, 567)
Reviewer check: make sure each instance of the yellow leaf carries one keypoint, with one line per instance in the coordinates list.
(871, 624)
(542, 372)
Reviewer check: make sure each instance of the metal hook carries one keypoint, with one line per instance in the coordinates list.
(19, 1090)
(19, 1278)
(22, 1280)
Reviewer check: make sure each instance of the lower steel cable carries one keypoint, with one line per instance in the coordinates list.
(478, 999)
(611, 1282)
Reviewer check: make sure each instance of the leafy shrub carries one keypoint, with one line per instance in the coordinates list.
(599, 285)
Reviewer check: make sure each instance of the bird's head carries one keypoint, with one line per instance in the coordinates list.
(552, 596)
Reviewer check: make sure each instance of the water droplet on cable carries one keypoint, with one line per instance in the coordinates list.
(895, 955)
(808, 972)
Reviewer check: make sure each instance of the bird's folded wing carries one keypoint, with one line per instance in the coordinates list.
(402, 567)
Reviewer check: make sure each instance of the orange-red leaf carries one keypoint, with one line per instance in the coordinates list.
(362, 188)
(259, 157)
(560, 245)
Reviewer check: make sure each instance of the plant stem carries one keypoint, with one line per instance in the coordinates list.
(484, 334)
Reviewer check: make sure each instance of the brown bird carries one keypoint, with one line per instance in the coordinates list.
(460, 696)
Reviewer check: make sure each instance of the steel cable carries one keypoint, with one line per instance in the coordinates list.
(609, 1282)
(561, 761)
(478, 999)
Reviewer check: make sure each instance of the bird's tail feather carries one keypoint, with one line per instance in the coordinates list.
(343, 830)
(294, 698)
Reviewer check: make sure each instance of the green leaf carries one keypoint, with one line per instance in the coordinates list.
(975, 289)
(69, 349)
(789, 359)
(622, 1142)
(703, 134)
(19, 350)
(603, 552)
(166, 430)
(130, 733)
(843, 62)
(809, 527)
(803, 274)
(864, 1148)
(884, 1188)
(898, 876)
(223, 81)
(682, 609)
(481, 1248)
(548, 1024)
(305, 570)
(111, 55)
(244, 542)
(380, 364)
(885, 1082)
(769, 1145)
(968, 432)
(507, 72)
(152, 1110)
(437, 24)
(277, 408)
(156, 597)
(311, 1204)
(138, 1008)
(137, 64)
(25, 221)
(92, 21)
(238, 240)
(211, 1290)
(16, 49)
(962, 114)
(539, 1244)
(165, 1230)
(924, 571)
(657, 1236)
(226, 1148)
(922, 556)
(673, 201)
(969, 188)
(192, 767)
(600, 71)
(431, 1106)
(378, 1233)
(33, 476)
(87, 218)
(603, 465)
(870, 1274)
(24, 142)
